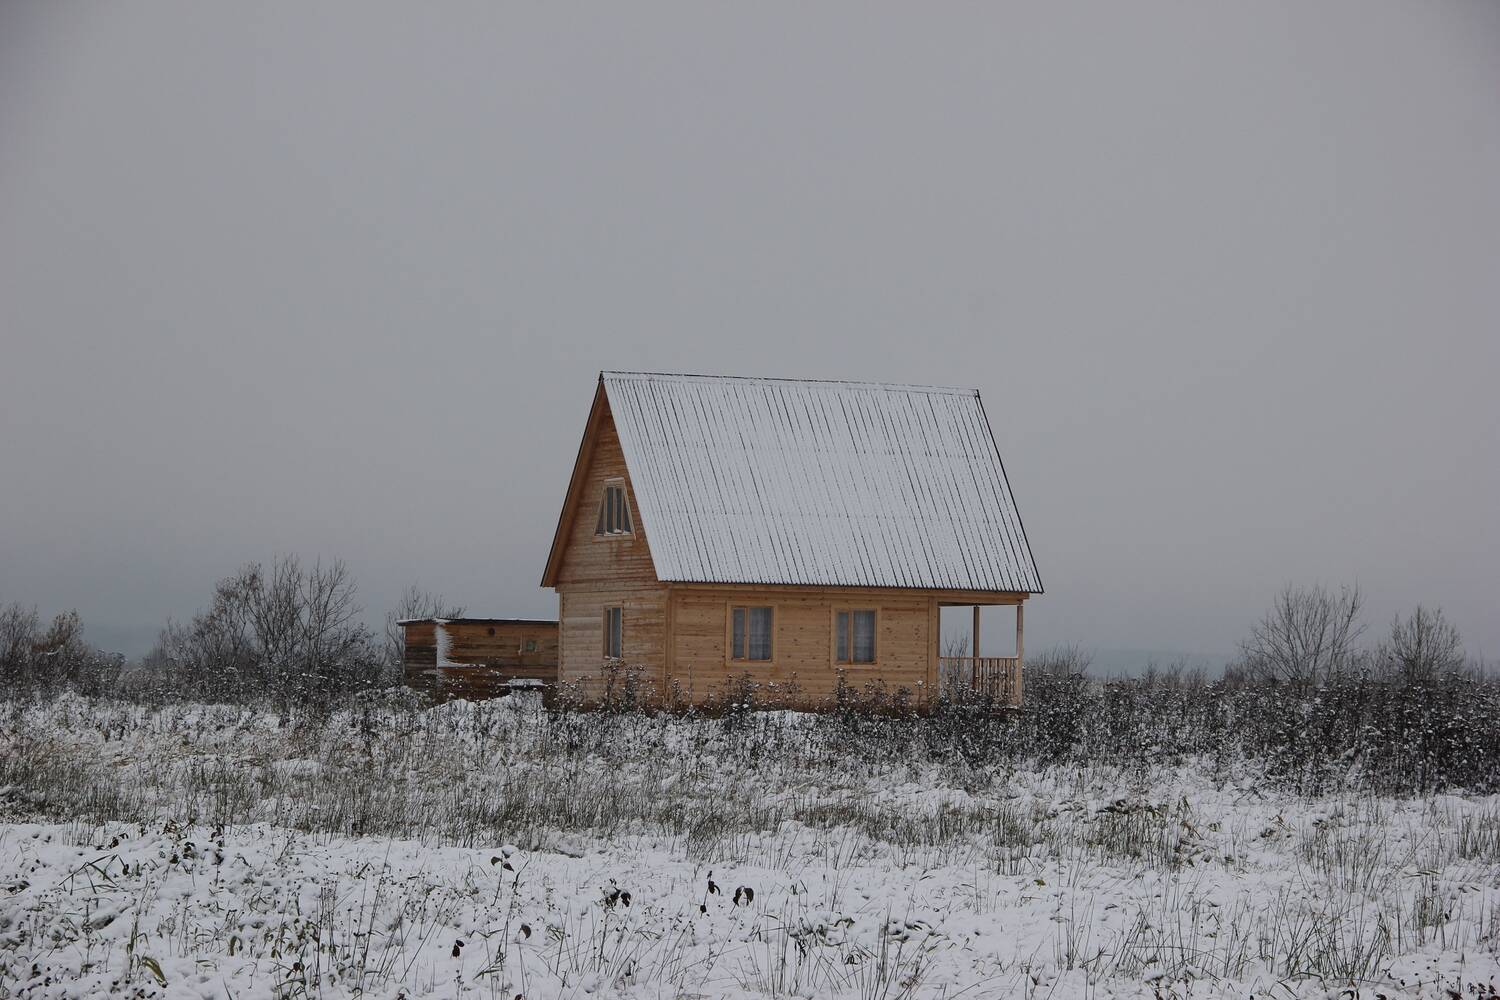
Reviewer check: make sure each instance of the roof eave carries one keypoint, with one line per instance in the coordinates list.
(575, 485)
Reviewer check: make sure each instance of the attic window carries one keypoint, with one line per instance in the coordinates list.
(614, 511)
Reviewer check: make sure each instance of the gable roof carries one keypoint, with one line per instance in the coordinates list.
(781, 481)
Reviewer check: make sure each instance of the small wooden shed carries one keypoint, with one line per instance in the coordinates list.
(478, 657)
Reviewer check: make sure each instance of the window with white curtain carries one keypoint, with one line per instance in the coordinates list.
(854, 638)
(750, 633)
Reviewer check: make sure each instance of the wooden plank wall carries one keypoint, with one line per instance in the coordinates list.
(592, 558)
(491, 660)
(678, 635)
(644, 619)
(803, 641)
(421, 647)
(503, 644)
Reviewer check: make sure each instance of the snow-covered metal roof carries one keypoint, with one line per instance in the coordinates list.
(751, 480)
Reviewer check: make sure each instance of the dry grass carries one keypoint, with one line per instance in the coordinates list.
(1121, 875)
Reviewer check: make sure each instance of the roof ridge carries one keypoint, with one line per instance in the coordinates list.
(852, 383)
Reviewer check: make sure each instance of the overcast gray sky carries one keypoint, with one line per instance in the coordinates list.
(339, 279)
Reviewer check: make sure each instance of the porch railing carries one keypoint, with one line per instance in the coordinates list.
(997, 678)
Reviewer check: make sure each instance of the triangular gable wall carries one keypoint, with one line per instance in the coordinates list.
(579, 555)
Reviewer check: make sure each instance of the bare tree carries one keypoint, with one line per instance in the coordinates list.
(1307, 637)
(18, 631)
(217, 653)
(276, 612)
(1424, 647)
(63, 638)
(415, 603)
(335, 640)
(57, 656)
(284, 632)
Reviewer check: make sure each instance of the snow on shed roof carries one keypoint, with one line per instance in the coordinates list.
(477, 621)
(783, 481)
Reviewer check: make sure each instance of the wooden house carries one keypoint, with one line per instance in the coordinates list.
(477, 657)
(785, 532)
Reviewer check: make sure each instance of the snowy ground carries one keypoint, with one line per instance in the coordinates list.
(475, 851)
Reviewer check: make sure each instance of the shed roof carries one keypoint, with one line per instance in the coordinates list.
(780, 481)
(539, 622)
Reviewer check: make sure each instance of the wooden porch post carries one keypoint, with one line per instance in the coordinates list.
(1020, 648)
(1020, 633)
(934, 687)
(974, 673)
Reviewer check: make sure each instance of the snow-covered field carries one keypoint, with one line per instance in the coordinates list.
(476, 850)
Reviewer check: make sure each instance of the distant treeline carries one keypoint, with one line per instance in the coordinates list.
(281, 633)
(1306, 700)
(1306, 704)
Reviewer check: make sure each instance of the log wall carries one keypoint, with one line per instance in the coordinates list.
(644, 633)
(482, 656)
(802, 668)
(591, 558)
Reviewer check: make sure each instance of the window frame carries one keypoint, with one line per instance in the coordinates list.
(730, 653)
(833, 630)
(601, 533)
(611, 614)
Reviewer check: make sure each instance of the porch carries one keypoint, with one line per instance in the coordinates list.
(995, 679)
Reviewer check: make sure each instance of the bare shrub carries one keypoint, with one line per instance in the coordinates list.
(1424, 646)
(19, 627)
(1306, 637)
(1065, 661)
(286, 633)
(957, 644)
(625, 687)
(36, 659)
(1412, 716)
